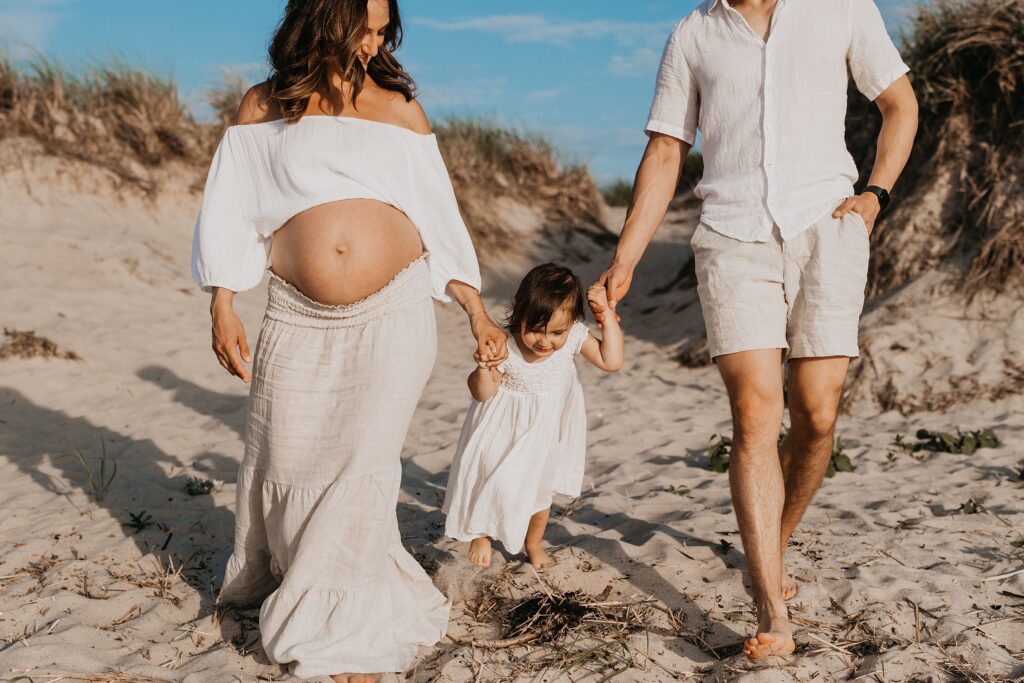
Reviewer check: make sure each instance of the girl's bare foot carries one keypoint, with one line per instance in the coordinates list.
(480, 552)
(538, 558)
(354, 678)
(773, 636)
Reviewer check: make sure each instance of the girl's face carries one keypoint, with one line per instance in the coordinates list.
(378, 14)
(542, 342)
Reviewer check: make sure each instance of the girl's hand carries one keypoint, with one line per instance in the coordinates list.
(597, 296)
(491, 340)
(229, 342)
(615, 281)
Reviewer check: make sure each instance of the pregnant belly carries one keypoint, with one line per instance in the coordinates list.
(341, 252)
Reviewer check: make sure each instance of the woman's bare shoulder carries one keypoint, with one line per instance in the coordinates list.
(412, 115)
(256, 106)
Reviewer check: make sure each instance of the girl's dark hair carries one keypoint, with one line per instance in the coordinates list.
(319, 37)
(544, 290)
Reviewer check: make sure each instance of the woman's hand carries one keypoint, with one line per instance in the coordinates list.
(491, 341)
(229, 342)
(615, 282)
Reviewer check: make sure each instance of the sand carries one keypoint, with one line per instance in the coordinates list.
(897, 582)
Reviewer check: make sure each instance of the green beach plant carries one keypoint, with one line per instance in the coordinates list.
(139, 520)
(618, 192)
(963, 443)
(721, 447)
(99, 471)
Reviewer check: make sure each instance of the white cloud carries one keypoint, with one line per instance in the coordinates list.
(479, 93)
(26, 26)
(533, 28)
(641, 62)
(550, 94)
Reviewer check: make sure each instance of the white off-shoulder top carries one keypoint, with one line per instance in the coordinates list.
(263, 174)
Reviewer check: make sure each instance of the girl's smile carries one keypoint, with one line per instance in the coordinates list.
(539, 343)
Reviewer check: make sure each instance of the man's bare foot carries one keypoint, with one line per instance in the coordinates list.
(538, 558)
(354, 678)
(480, 552)
(773, 638)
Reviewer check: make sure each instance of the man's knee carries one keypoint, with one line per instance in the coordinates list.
(755, 416)
(816, 422)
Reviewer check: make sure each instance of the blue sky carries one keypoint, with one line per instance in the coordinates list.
(579, 71)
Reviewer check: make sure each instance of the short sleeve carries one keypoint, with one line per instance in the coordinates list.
(579, 335)
(872, 56)
(676, 104)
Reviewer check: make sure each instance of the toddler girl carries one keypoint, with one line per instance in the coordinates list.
(524, 438)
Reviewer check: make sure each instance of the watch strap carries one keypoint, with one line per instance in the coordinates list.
(881, 193)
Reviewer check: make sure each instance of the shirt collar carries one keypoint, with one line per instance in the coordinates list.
(718, 3)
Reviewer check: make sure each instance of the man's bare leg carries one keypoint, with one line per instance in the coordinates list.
(815, 385)
(753, 380)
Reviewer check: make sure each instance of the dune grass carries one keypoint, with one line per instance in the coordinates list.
(133, 123)
(966, 60)
(110, 115)
(619, 192)
(487, 161)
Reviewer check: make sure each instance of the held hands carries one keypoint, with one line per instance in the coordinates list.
(864, 205)
(605, 294)
(229, 342)
(597, 297)
(491, 340)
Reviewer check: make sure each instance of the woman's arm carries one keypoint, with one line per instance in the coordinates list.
(229, 341)
(605, 353)
(484, 382)
(492, 342)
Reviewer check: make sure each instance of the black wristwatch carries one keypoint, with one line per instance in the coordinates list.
(881, 193)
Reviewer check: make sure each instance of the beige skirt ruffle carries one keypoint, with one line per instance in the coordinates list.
(316, 538)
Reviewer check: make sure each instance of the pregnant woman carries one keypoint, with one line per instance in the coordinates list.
(332, 178)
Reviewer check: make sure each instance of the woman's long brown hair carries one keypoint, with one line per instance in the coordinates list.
(318, 38)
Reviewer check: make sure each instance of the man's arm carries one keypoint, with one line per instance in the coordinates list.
(653, 189)
(898, 105)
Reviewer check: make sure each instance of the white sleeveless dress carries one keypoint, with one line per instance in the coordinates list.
(519, 447)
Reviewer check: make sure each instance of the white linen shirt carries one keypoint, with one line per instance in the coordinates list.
(772, 113)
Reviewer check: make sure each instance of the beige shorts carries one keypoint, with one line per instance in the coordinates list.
(804, 294)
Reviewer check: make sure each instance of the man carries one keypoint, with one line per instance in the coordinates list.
(782, 248)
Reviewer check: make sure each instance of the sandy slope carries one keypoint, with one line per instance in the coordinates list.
(106, 277)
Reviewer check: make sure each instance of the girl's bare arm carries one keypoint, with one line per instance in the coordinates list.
(484, 383)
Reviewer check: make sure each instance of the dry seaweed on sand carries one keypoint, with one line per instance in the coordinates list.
(565, 631)
(196, 486)
(28, 344)
(114, 676)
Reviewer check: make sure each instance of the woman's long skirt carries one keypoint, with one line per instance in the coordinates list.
(316, 534)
